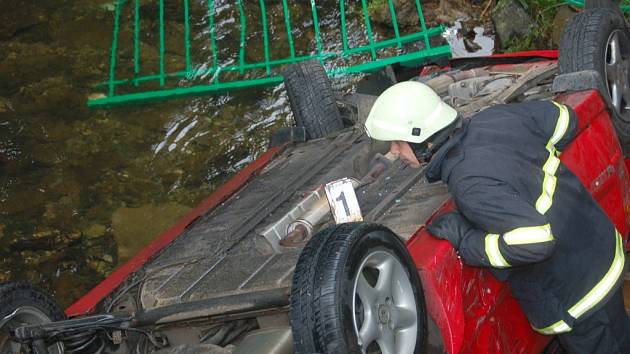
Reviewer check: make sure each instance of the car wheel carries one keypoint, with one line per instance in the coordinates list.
(23, 304)
(597, 39)
(608, 4)
(356, 290)
(312, 99)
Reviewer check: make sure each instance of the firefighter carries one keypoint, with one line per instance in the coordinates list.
(520, 211)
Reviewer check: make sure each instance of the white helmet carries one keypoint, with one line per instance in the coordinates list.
(408, 111)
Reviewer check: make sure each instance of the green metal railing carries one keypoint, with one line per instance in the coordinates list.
(133, 89)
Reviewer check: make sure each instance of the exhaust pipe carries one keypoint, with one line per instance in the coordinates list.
(300, 230)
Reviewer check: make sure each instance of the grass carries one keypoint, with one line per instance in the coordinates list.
(543, 13)
(375, 4)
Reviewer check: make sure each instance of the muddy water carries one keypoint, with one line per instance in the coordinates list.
(82, 190)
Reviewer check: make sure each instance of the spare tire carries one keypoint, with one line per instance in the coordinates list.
(312, 99)
(25, 304)
(356, 290)
(597, 39)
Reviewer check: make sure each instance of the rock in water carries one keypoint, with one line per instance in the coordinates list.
(451, 11)
(510, 19)
(94, 231)
(5, 105)
(406, 13)
(134, 228)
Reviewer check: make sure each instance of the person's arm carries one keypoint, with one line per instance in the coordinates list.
(498, 228)
(557, 122)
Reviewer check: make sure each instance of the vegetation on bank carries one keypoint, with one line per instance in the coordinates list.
(546, 19)
(543, 13)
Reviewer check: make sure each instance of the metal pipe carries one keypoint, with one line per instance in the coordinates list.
(300, 230)
(229, 304)
(440, 83)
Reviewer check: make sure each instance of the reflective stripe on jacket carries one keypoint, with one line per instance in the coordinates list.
(535, 223)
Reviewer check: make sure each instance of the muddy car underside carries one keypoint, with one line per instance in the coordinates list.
(228, 277)
(224, 283)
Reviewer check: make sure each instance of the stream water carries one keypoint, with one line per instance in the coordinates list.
(83, 190)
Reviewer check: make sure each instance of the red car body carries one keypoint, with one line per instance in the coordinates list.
(474, 312)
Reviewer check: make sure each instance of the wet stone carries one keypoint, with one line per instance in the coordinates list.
(94, 231)
(84, 66)
(450, 11)
(36, 258)
(45, 233)
(62, 182)
(107, 258)
(45, 154)
(29, 63)
(406, 13)
(100, 266)
(82, 31)
(511, 19)
(70, 236)
(52, 95)
(5, 105)
(62, 213)
(20, 17)
(23, 200)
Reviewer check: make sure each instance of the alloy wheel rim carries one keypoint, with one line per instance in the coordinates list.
(616, 69)
(384, 305)
(22, 316)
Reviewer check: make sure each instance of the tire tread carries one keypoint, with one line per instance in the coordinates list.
(18, 293)
(581, 49)
(318, 285)
(312, 99)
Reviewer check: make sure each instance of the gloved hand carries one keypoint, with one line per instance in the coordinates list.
(451, 226)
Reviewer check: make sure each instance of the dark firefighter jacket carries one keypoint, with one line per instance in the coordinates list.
(535, 224)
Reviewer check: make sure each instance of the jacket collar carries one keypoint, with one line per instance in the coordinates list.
(447, 156)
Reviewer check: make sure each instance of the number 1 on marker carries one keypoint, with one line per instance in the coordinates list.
(343, 201)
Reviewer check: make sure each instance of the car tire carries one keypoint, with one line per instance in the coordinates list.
(587, 42)
(342, 298)
(27, 304)
(604, 4)
(312, 99)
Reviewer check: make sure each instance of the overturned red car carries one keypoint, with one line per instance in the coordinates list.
(262, 267)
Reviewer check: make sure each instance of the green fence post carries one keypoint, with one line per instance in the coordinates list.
(112, 62)
(213, 40)
(243, 29)
(368, 27)
(344, 35)
(187, 36)
(423, 25)
(287, 22)
(162, 92)
(317, 34)
(263, 13)
(392, 11)
(161, 42)
(136, 43)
